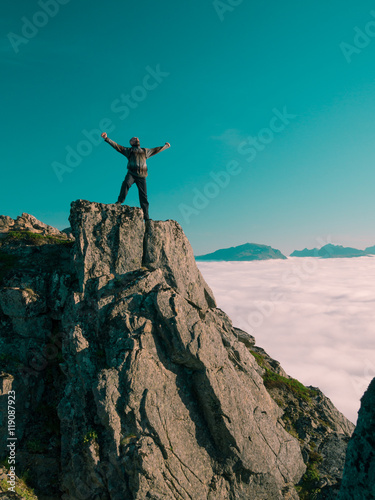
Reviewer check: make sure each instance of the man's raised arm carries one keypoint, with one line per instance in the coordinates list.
(155, 151)
(117, 147)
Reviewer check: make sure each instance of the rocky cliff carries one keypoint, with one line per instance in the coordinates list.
(322, 431)
(131, 384)
(358, 482)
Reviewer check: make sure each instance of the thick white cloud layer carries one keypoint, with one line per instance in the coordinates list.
(315, 316)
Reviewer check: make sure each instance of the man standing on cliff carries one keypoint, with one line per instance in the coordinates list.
(137, 169)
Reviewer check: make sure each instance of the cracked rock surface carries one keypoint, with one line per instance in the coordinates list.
(176, 406)
(131, 383)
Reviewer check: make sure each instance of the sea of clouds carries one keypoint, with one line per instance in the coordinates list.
(315, 316)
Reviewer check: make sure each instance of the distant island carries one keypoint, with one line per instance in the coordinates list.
(254, 251)
(246, 252)
(370, 250)
(333, 252)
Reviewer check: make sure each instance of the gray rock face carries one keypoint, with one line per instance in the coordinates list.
(131, 383)
(113, 240)
(359, 473)
(109, 239)
(6, 223)
(166, 247)
(173, 407)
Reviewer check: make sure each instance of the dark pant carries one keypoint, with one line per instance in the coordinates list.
(142, 191)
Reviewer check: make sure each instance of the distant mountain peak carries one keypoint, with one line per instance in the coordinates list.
(331, 251)
(245, 252)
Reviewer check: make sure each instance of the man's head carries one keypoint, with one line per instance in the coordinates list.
(134, 141)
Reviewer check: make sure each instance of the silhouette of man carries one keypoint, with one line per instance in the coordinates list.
(137, 169)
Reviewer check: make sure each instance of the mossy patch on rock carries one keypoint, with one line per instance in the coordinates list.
(21, 489)
(31, 238)
(273, 380)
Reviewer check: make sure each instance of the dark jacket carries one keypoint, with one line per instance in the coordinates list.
(136, 157)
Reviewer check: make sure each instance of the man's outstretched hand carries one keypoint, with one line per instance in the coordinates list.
(167, 144)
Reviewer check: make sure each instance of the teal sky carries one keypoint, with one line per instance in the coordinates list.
(223, 71)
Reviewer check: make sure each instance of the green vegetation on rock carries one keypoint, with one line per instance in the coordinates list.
(34, 238)
(273, 380)
(21, 488)
(259, 359)
(308, 488)
(91, 435)
(311, 418)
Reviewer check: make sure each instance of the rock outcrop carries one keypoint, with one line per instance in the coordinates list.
(112, 241)
(28, 223)
(130, 383)
(175, 405)
(359, 473)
